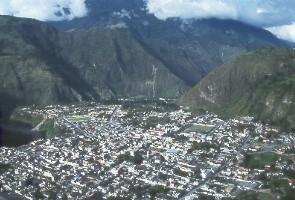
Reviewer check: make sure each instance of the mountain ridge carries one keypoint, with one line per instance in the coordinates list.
(134, 57)
(259, 84)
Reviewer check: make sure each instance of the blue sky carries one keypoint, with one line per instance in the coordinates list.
(278, 16)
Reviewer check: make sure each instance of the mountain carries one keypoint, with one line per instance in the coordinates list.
(31, 69)
(188, 48)
(42, 65)
(119, 50)
(260, 84)
(105, 11)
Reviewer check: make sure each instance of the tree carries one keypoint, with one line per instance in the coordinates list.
(38, 194)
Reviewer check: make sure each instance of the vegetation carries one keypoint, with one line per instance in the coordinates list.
(279, 189)
(42, 65)
(26, 119)
(49, 129)
(79, 118)
(4, 167)
(289, 173)
(206, 146)
(282, 187)
(179, 172)
(155, 190)
(260, 160)
(200, 128)
(163, 177)
(136, 159)
(249, 195)
(259, 84)
(152, 122)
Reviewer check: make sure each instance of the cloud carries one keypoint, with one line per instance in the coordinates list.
(44, 10)
(278, 16)
(258, 12)
(286, 32)
(199, 9)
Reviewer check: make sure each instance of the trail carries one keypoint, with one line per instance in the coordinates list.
(36, 128)
(155, 70)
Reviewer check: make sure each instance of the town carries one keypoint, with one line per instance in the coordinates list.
(147, 150)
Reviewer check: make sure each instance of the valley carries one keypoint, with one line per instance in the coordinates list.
(128, 149)
(41, 63)
(147, 99)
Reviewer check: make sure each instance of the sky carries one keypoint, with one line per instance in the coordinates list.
(44, 10)
(277, 16)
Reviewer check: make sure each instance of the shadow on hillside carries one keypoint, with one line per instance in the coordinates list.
(13, 134)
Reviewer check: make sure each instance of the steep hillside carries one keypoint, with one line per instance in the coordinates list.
(118, 57)
(41, 65)
(261, 83)
(189, 49)
(31, 68)
(116, 65)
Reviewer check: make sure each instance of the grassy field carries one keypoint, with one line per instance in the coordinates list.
(259, 160)
(26, 119)
(79, 118)
(200, 128)
(49, 129)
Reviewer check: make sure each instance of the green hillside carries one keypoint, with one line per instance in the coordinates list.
(40, 64)
(260, 83)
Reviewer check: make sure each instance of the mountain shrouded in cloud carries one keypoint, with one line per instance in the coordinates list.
(286, 32)
(140, 57)
(200, 9)
(277, 16)
(44, 10)
(271, 13)
(256, 12)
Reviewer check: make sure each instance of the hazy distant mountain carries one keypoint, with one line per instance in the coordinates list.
(260, 84)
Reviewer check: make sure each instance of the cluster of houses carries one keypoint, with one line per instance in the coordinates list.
(104, 152)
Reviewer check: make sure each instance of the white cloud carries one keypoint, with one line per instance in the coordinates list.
(258, 12)
(278, 16)
(286, 32)
(192, 9)
(44, 9)
(263, 13)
